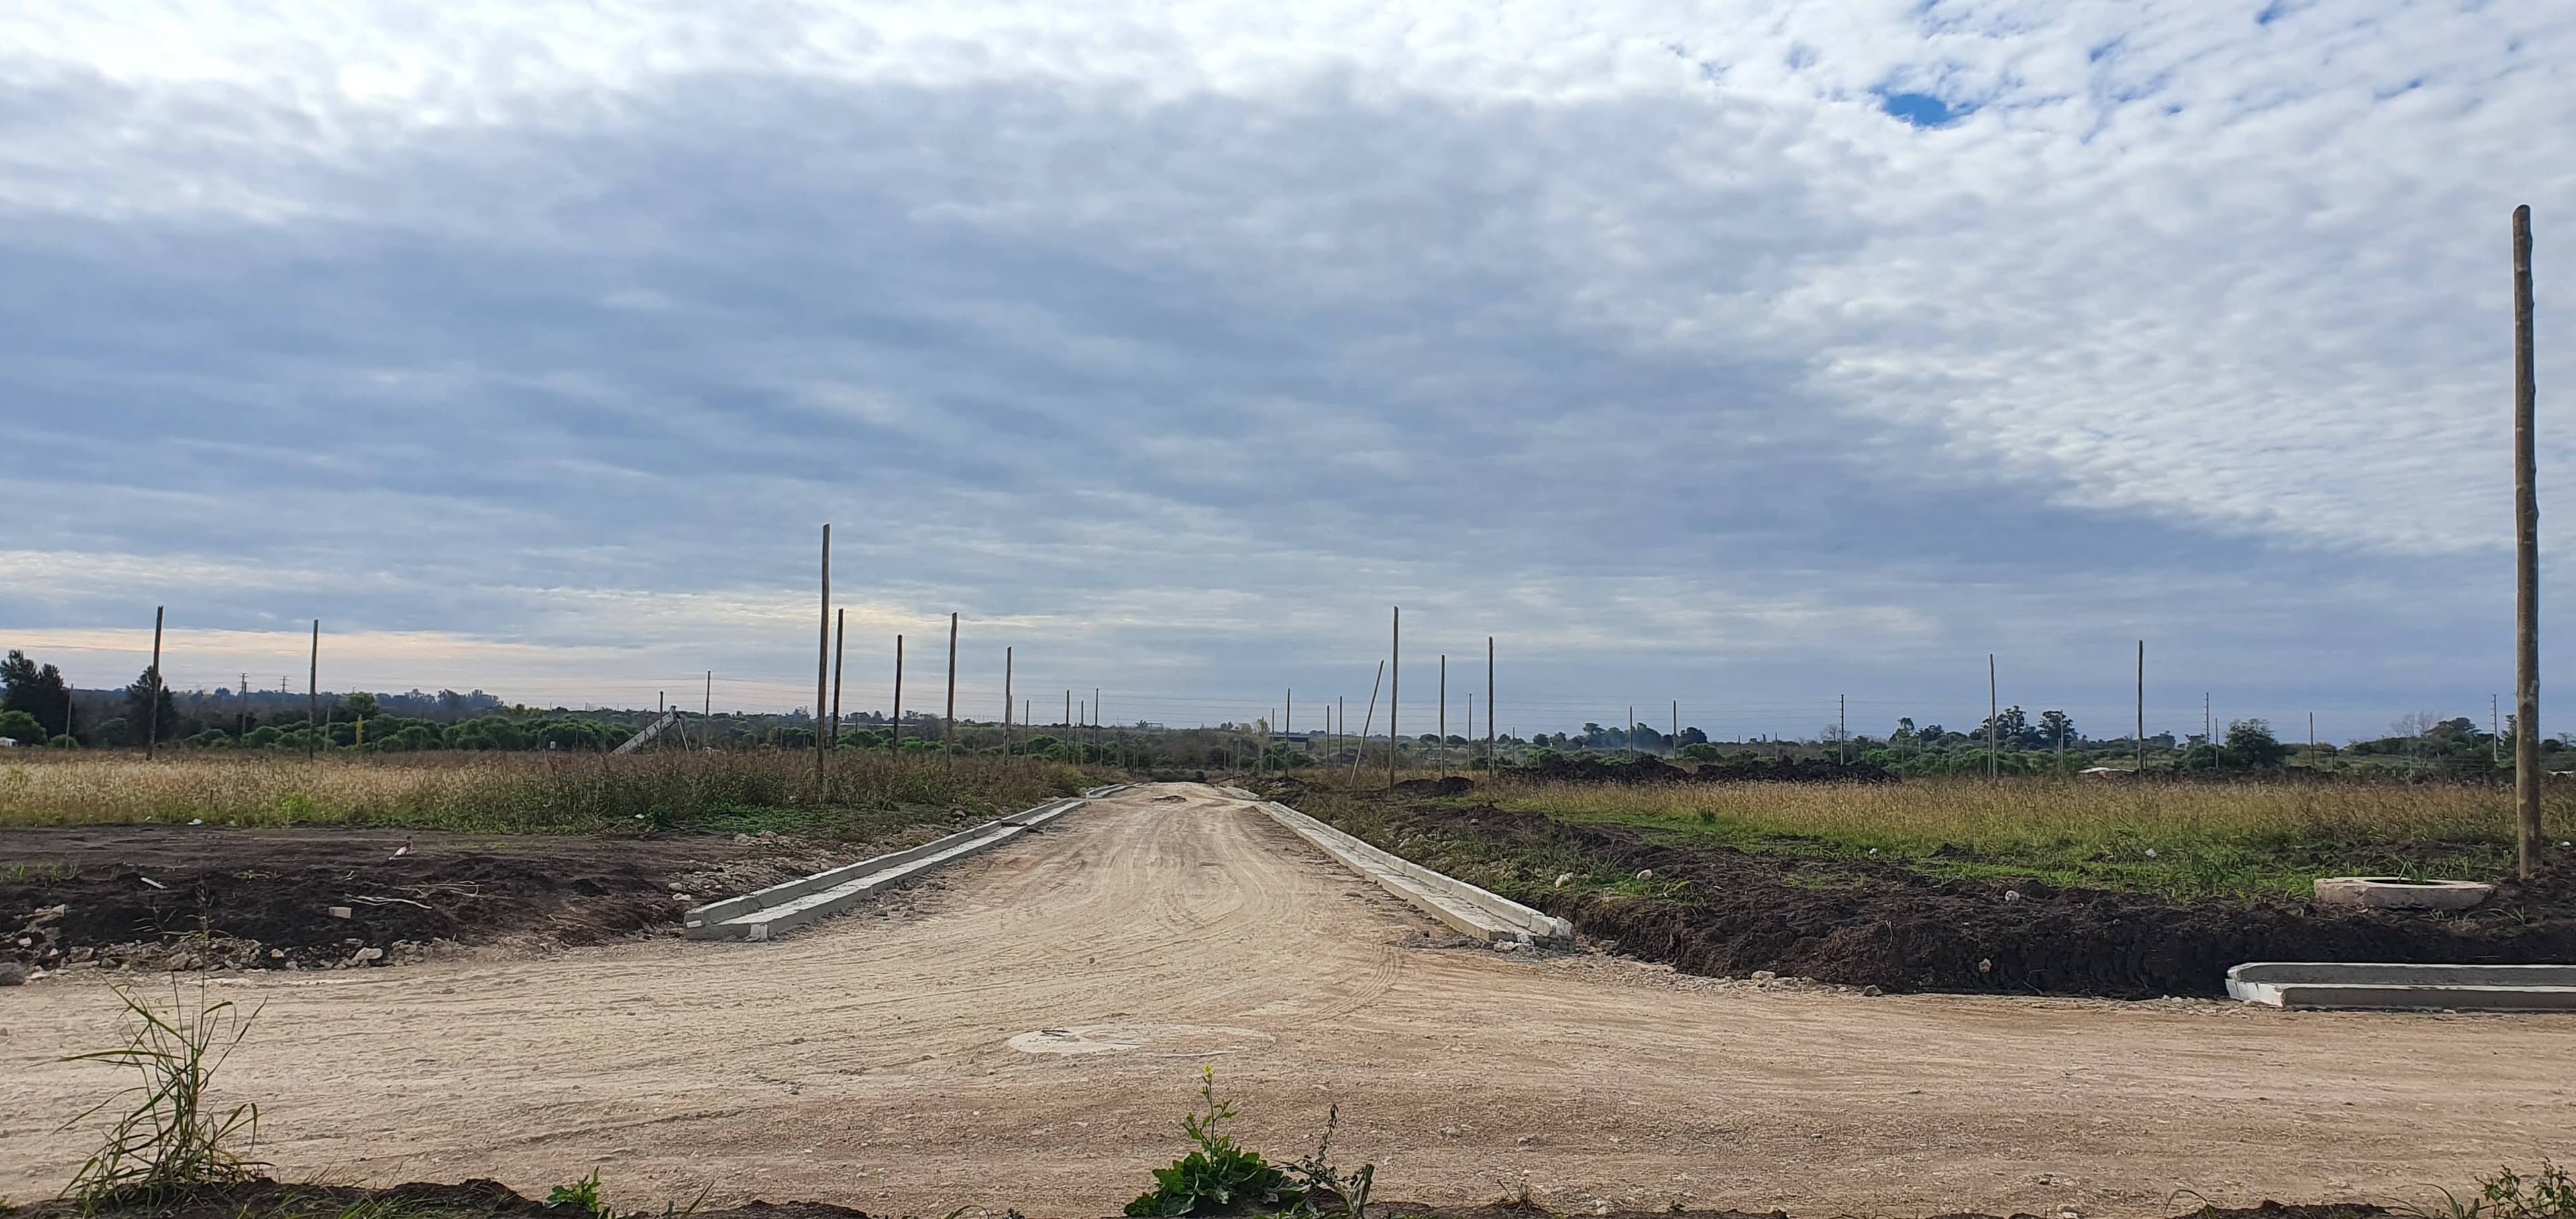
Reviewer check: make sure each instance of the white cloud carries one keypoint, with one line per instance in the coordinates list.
(1615, 319)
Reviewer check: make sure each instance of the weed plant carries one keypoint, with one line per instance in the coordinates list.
(170, 1145)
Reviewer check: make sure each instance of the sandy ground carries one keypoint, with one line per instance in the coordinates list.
(913, 1060)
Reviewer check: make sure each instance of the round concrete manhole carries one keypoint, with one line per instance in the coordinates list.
(1154, 1040)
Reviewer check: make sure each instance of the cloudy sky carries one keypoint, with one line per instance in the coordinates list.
(1742, 354)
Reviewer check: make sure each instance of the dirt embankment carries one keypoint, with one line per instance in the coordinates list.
(1721, 911)
(180, 897)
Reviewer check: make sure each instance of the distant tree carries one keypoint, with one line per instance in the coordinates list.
(139, 700)
(1693, 736)
(38, 690)
(21, 727)
(2055, 726)
(362, 705)
(2250, 744)
(1702, 751)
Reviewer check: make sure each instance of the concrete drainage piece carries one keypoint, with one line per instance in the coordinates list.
(1467, 909)
(2399, 893)
(2318, 984)
(763, 913)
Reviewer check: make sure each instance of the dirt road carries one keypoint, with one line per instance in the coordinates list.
(921, 1058)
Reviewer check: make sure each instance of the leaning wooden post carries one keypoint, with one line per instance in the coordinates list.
(840, 637)
(2526, 560)
(152, 711)
(1360, 747)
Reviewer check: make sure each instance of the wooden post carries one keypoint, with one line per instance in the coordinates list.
(1365, 720)
(2526, 560)
(152, 712)
(1675, 744)
(948, 723)
(1492, 768)
(1006, 702)
(840, 637)
(1441, 724)
(1628, 735)
(894, 726)
(2142, 709)
(823, 662)
(1842, 729)
(312, 684)
(1394, 688)
(1994, 712)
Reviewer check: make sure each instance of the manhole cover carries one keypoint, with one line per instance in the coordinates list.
(1155, 1040)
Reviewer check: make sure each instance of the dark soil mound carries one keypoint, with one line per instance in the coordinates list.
(1731, 912)
(205, 897)
(1446, 785)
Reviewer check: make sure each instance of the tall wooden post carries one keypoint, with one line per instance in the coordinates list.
(1394, 686)
(2142, 709)
(2526, 559)
(312, 686)
(1006, 702)
(948, 724)
(894, 727)
(152, 713)
(1492, 768)
(823, 661)
(1441, 722)
(1994, 712)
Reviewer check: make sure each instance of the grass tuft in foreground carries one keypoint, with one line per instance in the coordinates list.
(170, 1146)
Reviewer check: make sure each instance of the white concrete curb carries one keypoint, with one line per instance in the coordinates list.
(763, 913)
(2322, 984)
(1469, 910)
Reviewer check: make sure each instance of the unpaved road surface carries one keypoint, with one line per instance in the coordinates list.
(914, 1059)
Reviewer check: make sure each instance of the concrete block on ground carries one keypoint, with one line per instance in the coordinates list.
(1465, 908)
(763, 913)
(2339, 984)
(2399, 893)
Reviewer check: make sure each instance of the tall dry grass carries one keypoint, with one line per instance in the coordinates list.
(505, 793)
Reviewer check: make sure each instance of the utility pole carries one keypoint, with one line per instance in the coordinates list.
(1994, 714)
(894, 735)
(1394, 689)
(840, 636)
(707, 709)
(2142, 710)
(152, 713)
(1491, 766)
(1006, 702)
(948, 724)
(1341, 723)
(2526, 560)
(312, 682)
(823, 662)
(1441, 722)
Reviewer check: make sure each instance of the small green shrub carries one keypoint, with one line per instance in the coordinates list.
(580, 1197)
(1217, 1177)
(2547, 1194)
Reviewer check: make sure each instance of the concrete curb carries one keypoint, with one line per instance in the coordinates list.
(1469, 910)
(763, 913)
(2331, 984)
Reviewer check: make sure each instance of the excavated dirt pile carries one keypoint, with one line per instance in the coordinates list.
(1869, 924)
(177, 897)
